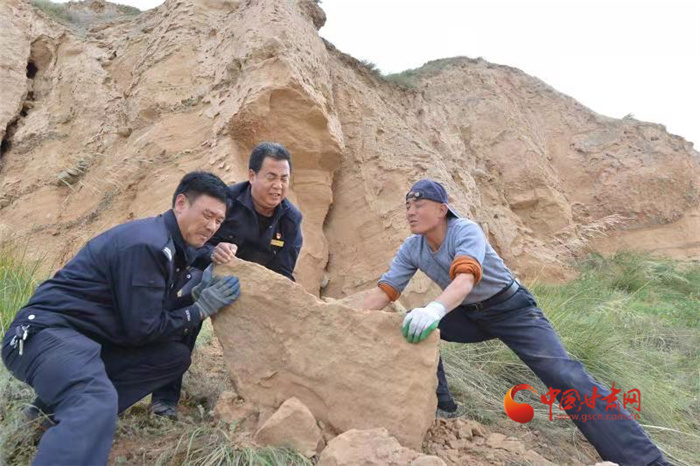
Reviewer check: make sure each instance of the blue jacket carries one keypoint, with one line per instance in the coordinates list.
(277, 248)
(122, 288)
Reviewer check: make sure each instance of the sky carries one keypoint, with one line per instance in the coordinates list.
(617, 57)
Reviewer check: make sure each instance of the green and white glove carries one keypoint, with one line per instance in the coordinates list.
(220, 293)
(422, 320)
(205, 282)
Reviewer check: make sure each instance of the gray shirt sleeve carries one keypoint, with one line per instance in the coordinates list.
(402, 268)
(469, 240)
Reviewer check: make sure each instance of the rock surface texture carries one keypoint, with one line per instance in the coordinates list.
(292, 425)
(373, 447)
(99, 122)
(351, 368)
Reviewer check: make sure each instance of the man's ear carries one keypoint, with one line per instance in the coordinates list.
(181, 202)
(251, 175)
(443, 210)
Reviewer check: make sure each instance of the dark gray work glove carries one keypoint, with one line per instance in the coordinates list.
(222, 291)
(206, 281)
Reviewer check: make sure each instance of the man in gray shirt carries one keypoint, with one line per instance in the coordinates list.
(480, 301)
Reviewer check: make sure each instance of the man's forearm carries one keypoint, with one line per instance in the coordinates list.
(375, 300)
(456, 291)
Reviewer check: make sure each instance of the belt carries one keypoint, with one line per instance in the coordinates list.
(498, 298)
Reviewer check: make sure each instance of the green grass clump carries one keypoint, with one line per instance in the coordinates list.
(18, 438)
(18, 278)
(407, 79)
(128, 9)
(410, 79)
(630, 319)
(57, 11)
(214, 445)
(81, 19)
(195, 440)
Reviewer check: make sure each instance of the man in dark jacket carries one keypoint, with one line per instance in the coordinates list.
(261, 226)
(108, 328)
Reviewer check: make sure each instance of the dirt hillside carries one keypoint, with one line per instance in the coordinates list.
(98, 126)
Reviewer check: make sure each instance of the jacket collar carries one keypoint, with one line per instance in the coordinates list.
(246, 198)
(174, 230)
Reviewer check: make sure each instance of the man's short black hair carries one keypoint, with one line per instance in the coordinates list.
(268, 149)
(194, 184)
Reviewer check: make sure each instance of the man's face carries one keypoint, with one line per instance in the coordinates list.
(423, 215)
(199, 220)
(269, 186)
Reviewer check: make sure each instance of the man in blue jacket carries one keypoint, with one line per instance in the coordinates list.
(108, 328)
(261, 226)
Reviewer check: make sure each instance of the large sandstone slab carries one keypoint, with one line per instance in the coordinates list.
(352, 368)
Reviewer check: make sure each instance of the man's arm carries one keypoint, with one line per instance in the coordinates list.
(203, 258)
(139, 286)
(375, 300)
(456, 291)
(224, 253)
(418, 323)
(465, 272)
(451, 297)
(392, 283)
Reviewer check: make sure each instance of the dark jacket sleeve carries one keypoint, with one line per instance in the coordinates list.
(203, 258)
(286, 259)
(139, 278)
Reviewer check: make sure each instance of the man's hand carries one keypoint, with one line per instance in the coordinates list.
(222, 291)
(206, 281)
(421, 321)
(224, 253)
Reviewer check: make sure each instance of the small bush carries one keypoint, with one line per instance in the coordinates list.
(404, 79)
(372, 67)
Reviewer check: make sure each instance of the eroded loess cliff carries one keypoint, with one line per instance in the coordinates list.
(98, 128)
